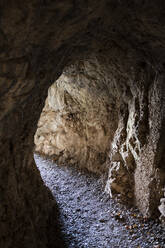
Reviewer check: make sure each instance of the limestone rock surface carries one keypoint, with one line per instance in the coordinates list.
(78, 120)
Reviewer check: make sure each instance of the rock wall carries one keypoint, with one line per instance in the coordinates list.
(110, 126)
(133, 156)
(39, 38)
(79, 119)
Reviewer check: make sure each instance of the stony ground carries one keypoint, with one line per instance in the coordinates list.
(89, 219)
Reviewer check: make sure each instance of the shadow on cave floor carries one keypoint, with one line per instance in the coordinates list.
(89, 219)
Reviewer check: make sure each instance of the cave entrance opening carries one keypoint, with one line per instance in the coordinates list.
(74, 129)
(78, 120)
(84, 122)
(91, 121)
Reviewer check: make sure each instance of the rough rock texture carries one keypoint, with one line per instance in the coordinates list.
(79, 119)
(134, 152)
(38, 39)
(162, 209)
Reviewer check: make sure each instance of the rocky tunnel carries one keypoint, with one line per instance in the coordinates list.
(111, 53)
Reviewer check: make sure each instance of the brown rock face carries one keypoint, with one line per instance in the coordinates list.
(79, 118)
(125, 41)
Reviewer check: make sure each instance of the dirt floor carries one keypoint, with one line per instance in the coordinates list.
(89, 218)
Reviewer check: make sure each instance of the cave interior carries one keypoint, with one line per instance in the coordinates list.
(104, 61)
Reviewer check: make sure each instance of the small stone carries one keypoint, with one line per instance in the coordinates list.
(102, 220)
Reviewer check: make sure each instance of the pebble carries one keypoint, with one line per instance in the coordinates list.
(89, 218)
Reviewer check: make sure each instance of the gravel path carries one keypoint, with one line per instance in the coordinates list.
(89, 219)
